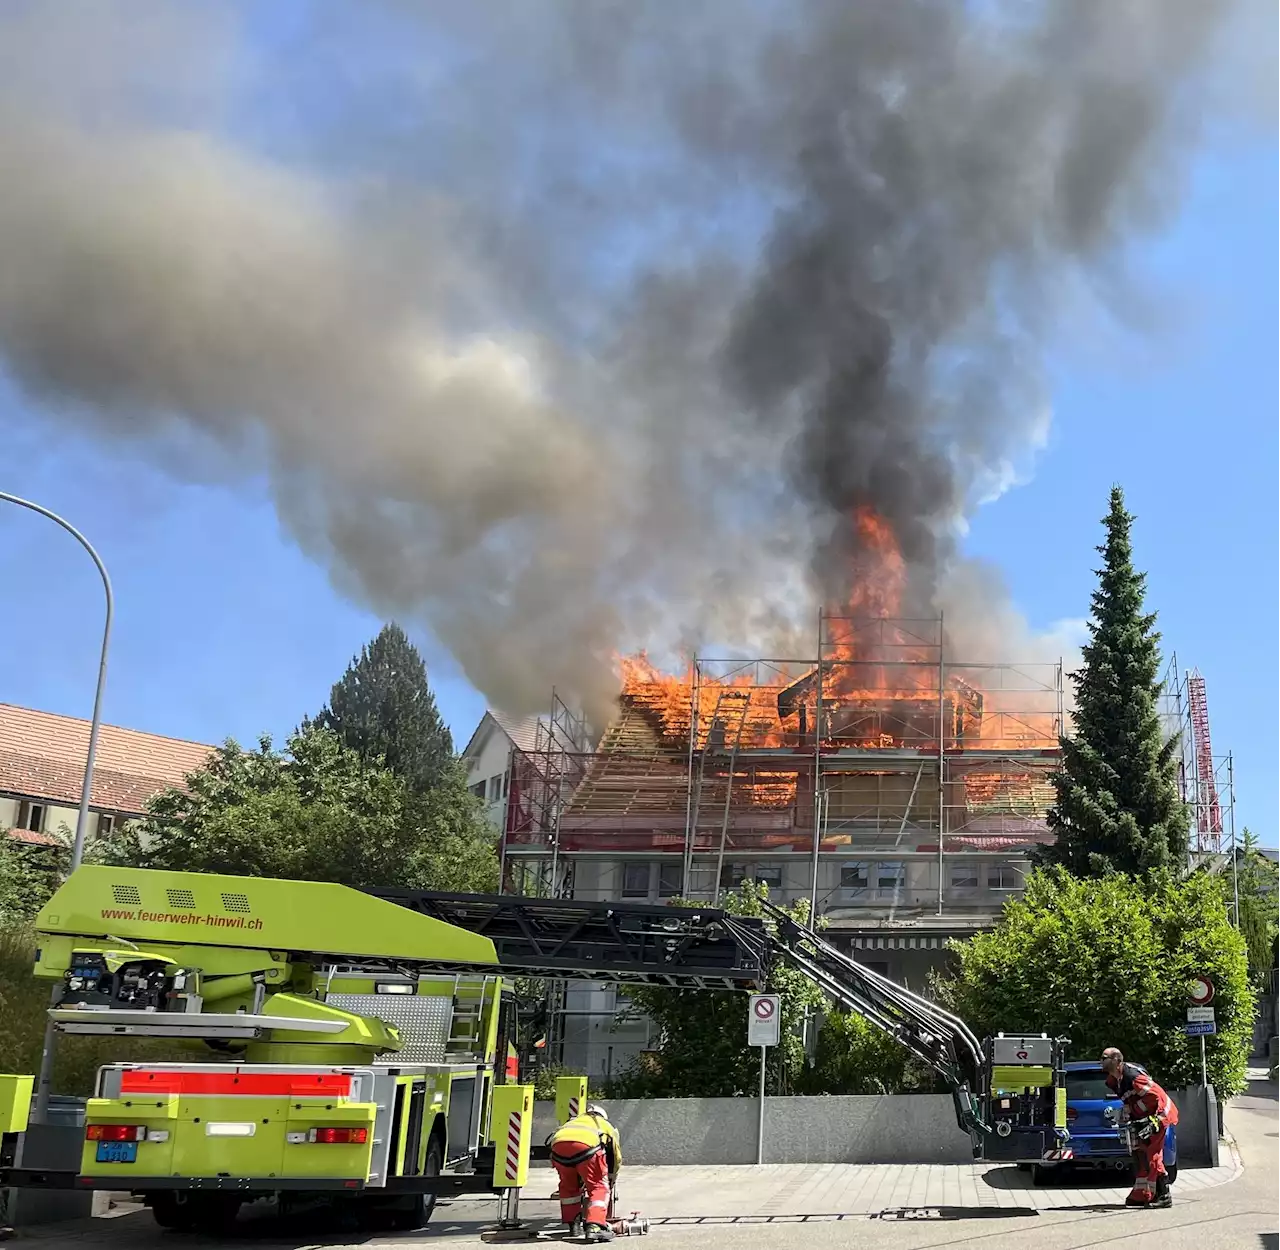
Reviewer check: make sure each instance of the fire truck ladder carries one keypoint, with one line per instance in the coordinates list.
(629, 943)
(646, 944)
(936, 1037)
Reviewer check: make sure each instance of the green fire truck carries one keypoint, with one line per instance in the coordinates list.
(353, 1046)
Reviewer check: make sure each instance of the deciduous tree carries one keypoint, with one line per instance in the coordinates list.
(314, 811)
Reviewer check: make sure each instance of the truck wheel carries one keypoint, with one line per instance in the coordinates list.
(172, 1210)
(418, 1212)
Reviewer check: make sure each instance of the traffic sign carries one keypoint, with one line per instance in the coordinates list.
(764, 1020)
(1202, 991)
(1199, 1015)
(1201, 1028)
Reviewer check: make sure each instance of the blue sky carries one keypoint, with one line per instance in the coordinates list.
(224, 629)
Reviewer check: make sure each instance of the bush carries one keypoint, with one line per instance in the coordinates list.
(1110, 962)
(854, 1057)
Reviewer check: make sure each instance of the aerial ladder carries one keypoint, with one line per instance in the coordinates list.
(352, 1045)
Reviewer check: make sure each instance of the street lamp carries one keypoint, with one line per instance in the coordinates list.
(82, 817)
(86, 786)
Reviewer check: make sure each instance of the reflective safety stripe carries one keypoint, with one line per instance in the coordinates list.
(270, 1084)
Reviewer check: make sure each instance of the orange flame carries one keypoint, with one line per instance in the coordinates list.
(879, 681)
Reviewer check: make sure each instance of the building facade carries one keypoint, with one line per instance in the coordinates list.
(488, 755)
(42, 758)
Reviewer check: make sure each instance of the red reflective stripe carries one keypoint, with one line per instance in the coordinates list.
(286, 1084)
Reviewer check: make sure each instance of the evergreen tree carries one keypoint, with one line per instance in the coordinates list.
(1117, 806)
(383, 709)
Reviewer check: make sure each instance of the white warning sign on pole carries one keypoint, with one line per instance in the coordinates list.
(764, 1020)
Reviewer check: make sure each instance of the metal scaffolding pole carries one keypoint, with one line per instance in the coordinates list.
(817, 781)
(942, 745)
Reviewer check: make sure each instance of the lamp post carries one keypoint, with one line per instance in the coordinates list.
(86, 787)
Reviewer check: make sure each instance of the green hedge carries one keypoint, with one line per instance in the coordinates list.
(1110, 962)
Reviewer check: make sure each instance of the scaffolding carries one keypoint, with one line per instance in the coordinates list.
(873, 765)
(1206, 780)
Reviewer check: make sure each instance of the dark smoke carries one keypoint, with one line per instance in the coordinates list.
(573, 327)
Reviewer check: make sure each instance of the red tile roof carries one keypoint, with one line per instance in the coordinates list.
(42, 757)
(34, 839)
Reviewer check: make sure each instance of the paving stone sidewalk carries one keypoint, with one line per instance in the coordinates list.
(792, 1190)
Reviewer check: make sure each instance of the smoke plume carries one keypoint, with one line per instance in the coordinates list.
(568, 328)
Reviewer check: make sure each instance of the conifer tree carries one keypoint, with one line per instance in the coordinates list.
(1117, 806)
(383, 708)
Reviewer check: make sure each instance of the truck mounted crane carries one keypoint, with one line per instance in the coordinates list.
(351, 1044)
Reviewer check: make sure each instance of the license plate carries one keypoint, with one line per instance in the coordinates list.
(117, 1152)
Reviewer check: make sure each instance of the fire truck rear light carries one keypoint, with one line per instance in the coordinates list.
(1072, 1113)
(339, 1136)
(115, 1132)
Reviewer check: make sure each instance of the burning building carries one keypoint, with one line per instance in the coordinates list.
(895, 786)
(897, 790)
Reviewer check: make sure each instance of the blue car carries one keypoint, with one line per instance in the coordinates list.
(1092, 1113)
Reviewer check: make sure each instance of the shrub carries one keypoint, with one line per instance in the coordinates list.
(1110, 962)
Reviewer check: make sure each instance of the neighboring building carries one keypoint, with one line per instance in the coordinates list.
(487, 757)
(42, 759)
(914, 789)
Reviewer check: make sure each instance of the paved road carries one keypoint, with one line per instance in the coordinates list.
(814, 1208)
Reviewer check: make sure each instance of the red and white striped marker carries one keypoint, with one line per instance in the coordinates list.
(513, 1146)
(573, 1107)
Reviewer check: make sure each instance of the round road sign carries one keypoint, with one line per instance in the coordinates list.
(764, 1008)
(1202, 991)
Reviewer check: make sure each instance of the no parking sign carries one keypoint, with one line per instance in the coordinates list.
(764, 1020)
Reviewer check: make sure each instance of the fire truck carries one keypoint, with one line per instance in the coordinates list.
(352, 1046)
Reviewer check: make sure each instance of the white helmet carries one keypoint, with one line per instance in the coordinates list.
(594, 1108)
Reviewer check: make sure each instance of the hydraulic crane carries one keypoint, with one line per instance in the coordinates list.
(352, 1043)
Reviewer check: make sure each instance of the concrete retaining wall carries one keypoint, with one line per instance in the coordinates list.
(885, 1128)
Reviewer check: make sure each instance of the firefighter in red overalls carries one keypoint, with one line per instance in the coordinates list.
(1150, 1112)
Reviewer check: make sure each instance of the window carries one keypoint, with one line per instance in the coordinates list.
(106, 822)
(765, 874)
(964, 877)
(1004, 877)
(495, 788)
(506, 783)
(890, 876)
(853, 877)
(670, 880)
(635, 880)
(31, 816)
(478, 789)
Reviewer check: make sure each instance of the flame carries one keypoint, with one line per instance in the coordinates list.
(879, 677)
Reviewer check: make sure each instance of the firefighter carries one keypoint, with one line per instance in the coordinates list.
(587, 1157)
(1150, 1112)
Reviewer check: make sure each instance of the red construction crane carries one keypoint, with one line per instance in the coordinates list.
(1208, 811)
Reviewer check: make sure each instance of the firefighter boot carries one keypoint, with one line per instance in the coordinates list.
(599, 1232)
(1163, 1197)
